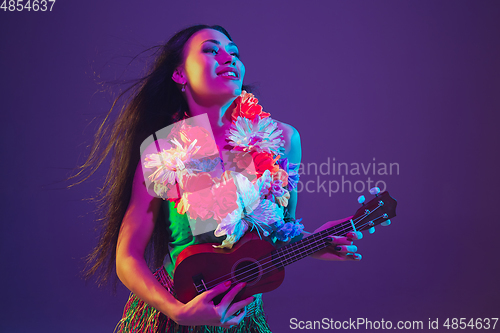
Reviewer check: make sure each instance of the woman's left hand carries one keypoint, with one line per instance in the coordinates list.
(342, 248)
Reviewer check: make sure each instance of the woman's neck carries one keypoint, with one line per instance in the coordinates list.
(219, 117)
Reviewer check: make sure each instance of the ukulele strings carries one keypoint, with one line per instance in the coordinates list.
(316, 243)
(249, 274)
(271, 266)
(345, 226)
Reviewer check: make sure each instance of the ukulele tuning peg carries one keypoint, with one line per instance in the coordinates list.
(361, 199)
(371, 230)
(386, 223)
(375, 191)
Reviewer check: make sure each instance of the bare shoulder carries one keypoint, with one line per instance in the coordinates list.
(292, 141)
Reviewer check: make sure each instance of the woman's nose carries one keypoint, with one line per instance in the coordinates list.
(227, 58)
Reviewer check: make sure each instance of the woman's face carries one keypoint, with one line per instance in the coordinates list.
(212, 67)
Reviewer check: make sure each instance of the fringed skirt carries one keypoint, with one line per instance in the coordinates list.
(139, 317)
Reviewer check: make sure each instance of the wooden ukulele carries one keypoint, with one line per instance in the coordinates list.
(257, 262)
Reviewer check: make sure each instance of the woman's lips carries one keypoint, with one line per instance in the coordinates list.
(228, 73)
(229, 77)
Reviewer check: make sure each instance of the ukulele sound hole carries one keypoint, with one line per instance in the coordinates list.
(246, 270)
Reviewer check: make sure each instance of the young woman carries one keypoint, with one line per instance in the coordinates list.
(197, 72)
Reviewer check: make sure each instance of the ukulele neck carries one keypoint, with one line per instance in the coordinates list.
(376, 211)
(295, 251)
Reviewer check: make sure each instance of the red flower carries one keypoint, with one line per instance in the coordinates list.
(203, 139)
(172, 193)
(247, 106)
(264, 161)
(201, 205)
(196, 182)
(225, 196)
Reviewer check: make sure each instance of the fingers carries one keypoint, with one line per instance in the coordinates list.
(227, 317)
(347, 253)
(348, 239)
(230, 319)
(340, 240)
(346, 248)
(354, 235)
(228, 298)
(218, 289)
(234, 320)
(234, 308)
(353, 256)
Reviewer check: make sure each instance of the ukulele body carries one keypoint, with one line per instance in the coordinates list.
(201, 267)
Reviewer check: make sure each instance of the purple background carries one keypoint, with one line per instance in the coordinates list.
(414, 83)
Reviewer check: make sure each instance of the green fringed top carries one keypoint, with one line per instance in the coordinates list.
(181, 235)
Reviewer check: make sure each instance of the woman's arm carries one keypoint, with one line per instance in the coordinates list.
(135, 232)
(293, 152)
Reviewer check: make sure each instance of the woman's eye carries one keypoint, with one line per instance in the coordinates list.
(214, 51)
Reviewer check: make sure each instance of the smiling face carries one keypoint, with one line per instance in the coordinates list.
(212, 70)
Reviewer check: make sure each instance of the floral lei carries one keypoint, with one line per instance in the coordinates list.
(253, 190)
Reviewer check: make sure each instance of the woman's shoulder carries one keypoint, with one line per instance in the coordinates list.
(288, 130)
(292, 141)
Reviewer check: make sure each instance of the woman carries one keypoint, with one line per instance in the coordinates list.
(198, 72)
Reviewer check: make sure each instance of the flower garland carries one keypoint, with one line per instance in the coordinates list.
(252, 188)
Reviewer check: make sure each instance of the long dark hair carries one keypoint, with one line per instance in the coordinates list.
(154, 103)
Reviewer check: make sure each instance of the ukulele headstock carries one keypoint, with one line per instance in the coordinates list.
(378, 210)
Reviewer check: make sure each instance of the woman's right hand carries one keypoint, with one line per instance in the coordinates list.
(201, 310)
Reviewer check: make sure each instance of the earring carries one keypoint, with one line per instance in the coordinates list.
(183, 88)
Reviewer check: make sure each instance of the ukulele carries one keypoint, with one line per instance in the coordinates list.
(257, 262)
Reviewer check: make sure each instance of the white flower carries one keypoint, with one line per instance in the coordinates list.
(259, 134)
(169, 164)
(252, 210)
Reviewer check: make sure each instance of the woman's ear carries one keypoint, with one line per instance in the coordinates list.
(178, 76)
